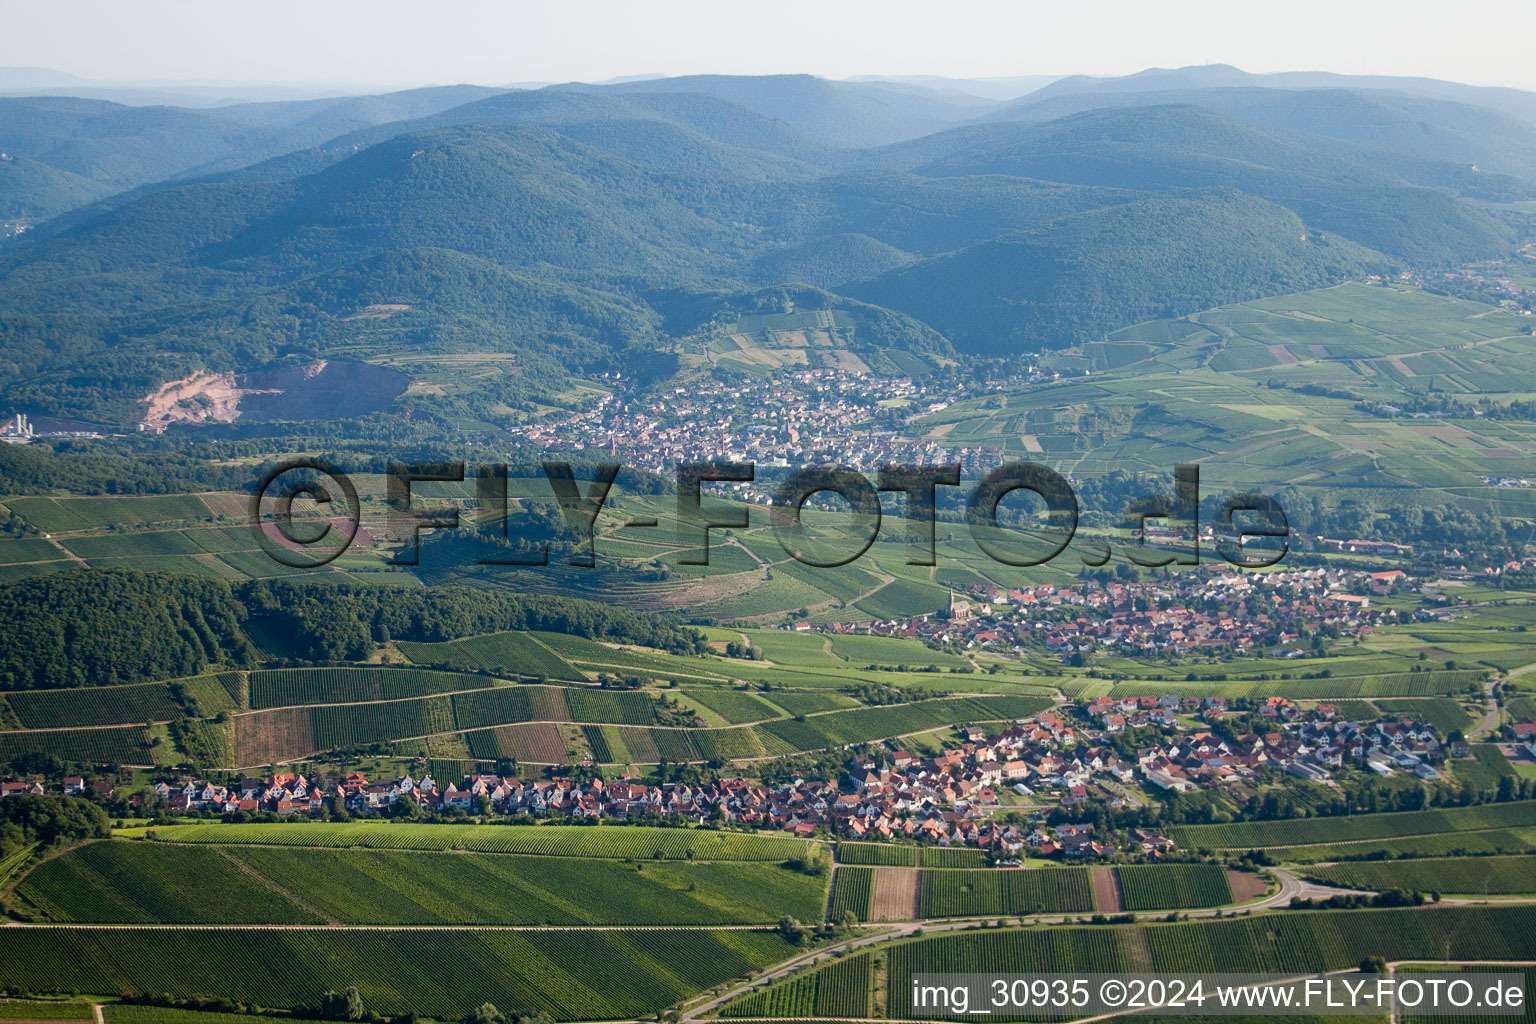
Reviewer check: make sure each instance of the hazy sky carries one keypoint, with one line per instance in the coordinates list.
(395, 43)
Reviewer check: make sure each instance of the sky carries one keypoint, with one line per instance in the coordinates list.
(396, 44)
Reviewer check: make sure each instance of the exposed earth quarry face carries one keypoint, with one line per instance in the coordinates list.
(315, 391)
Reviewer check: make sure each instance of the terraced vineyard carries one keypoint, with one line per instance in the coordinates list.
(610, 841)
(736, 707)
(287, 687)
(126, 882)
(509, 654)
(281, 734)
(528, 742)
(802, 703)
(113, 705)
(338, 726)
(1309, 831)
(117, 745)
(1487, 876)
(1173, 886)
(866, 724)
(569, 975)
(989, 891)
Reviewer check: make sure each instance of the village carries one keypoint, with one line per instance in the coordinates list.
(1214, 609)
(797, 417)
(1021, 789)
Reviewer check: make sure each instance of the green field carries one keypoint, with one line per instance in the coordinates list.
(1292, 942)
(12, 1010)
(1487, 841)
(1474, 876)
(125, 745)
(275, 688)
(608, 841)
(507, 654)
(1444, 714)
(736, 707)
(879, 854)
(131, 1013)
(841, 989)
(94, 705)
(62, 515)
(852, 888)
(989, 892)
(952, 857)
(1310, 831)
(866, 724)
(140, 883)
(571, 975)
(1173, 886)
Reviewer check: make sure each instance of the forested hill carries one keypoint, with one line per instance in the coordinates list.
(1086, 275)
(86, 627)
(570, 227)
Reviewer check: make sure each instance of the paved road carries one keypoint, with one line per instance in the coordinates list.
(1490, 722)
(1291, 887)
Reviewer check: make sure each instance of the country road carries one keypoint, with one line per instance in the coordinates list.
(1291, 888)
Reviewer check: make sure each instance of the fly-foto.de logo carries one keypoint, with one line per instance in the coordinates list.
(1021, 540)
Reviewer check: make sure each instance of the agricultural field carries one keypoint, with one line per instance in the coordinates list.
(991, 891)
(132, 1013)
(136, 703)
(1450, 844)
(865, 724)
(567, 974)
(952, 857)
(286, 733)
(842, 988)
(289, 687)
(511, 654)
(121, 745)
(340, 726)
(116, 881)
(882, 854)
(65, 515)
(1173, 886)
(32, 1010)
(803, 703)
(17, 551)
(527, 742)
(146, 883)
(1446, 715)
(1483, 771)
(1313, 831)
(1429, 683)
(1473, 876)
(737, 707)
(606, 841)
(1292, 942)
(852, 888)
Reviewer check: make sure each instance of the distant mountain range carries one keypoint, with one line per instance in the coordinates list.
(582, 227)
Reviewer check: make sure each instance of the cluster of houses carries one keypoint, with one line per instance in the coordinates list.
(74, 785)
(1215, 608)
(794, 416)
(1310, 744)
